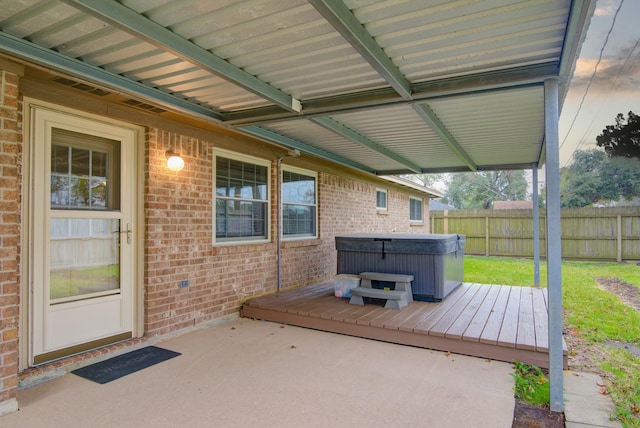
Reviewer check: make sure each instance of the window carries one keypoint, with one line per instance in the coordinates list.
(415, 209)
(381, 199)
(84, 171)
(241, 210)
(299, 203)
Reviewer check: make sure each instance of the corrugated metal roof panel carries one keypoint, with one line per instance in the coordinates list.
(401, 130)
(512, 119)
(281, 42)
(318, 136)
(462, 37)
(92, 40)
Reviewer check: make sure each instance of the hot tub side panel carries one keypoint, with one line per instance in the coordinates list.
(453, 272)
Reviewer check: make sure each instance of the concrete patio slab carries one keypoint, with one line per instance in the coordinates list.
(255, 373)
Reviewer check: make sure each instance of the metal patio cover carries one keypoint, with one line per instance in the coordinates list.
(387, 87)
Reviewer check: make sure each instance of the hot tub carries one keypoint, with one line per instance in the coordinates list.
(435, 261)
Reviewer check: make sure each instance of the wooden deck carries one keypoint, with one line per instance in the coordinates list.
(490, 321)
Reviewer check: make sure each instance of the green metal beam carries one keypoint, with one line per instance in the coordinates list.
(519, 77)
(436, 124)
(274, 137)
(51, 59)
(141, 27)
(356, 137)
(345, 22)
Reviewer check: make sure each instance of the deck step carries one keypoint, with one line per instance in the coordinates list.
(386, 277)
(397, 298)
(377, 293)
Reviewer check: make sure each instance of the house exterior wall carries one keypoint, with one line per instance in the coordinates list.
(178, 226)
(10, 170)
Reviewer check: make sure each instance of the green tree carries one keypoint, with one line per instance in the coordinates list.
(594, 177)
(478, 190)
(426, 180)
(621, 139)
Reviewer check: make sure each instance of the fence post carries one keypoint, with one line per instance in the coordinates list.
(619, 238)
(445, 222)
(486, 235)
(536, 227)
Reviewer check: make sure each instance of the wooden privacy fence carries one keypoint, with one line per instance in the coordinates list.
(587, 233)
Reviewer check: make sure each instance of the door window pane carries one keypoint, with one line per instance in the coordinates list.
(84, 257)
(84, 171)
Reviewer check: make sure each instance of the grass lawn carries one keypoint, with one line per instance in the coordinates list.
(74, 282)
(594, 320)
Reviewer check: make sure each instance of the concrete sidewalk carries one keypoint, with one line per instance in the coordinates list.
(254, 373)
(584, 405)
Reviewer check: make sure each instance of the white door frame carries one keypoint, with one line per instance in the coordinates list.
(135, 181)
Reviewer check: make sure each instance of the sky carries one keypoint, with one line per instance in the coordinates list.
(606, 80)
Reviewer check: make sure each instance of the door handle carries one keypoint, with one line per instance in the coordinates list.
(128, 232)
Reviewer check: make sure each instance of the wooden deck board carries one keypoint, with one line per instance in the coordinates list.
(526, 337)
(509, 329)
(462, 322)
(427, 323)
(367, 318)
(443, 324)
(540, 319)
(491, 330)
(479, 320)
(489, 321)
(342, 311)
(398, 318)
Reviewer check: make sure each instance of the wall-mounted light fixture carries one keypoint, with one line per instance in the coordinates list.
(174, 161)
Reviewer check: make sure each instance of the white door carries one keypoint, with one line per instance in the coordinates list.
(82, 229)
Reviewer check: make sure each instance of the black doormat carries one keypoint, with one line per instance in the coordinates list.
(122, 365)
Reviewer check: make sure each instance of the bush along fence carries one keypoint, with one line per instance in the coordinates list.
(587, 233)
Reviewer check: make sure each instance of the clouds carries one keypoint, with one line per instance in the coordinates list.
(593, 100)
(613, 46)
(619, 70)
(606, 8)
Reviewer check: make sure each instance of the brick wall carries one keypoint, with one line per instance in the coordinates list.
(178, 211)
(10, 155)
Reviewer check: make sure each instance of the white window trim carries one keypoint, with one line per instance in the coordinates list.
(248, 159)
(421, 211)
(309, 173)
(386, 200)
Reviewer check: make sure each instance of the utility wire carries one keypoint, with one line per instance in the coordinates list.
(595, 69)
(614, 86)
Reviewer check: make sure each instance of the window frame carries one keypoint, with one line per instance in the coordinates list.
(245, 240)
(308, 173)
(74, 140)
(421, 201)
(386, 199)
